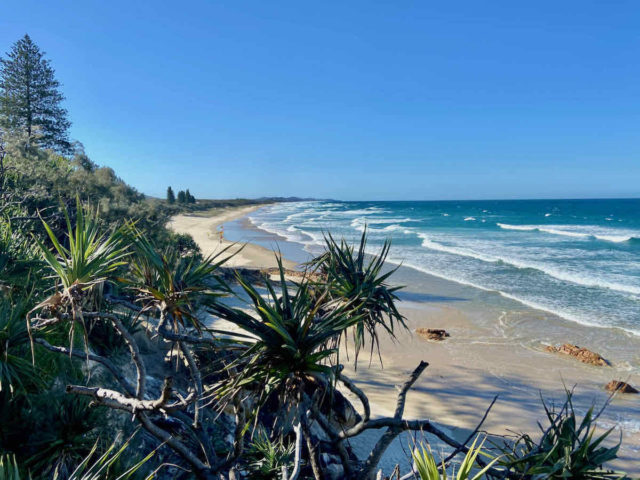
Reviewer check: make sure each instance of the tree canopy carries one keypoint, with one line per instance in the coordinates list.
(30, 98)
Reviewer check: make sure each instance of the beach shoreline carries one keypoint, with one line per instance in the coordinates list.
(465, 371)
(205, 232)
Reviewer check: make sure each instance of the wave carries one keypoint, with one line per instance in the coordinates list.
(469, 219)
(359, 223)
(535, 305)
(398, 228)
(552, 272)
(570, 231)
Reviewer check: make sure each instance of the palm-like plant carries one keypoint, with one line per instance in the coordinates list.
(427, 467)
(9, 468)
(106, 466)
(354, 279)
(16, 369)
(267, 457)
(71, 431)
(91, 257)
(568, 448)
(287, 338)
(173, 284)
(92, 254)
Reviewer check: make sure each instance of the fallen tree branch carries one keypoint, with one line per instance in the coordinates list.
(116, 400)
(394, 427)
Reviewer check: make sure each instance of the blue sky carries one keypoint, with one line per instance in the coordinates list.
(350, 100)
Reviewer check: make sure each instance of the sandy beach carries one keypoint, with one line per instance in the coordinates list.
(465, 371)
(205, 231)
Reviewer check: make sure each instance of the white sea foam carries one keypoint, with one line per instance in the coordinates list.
(359, 223)
(469, 219)
(578, 231)
(522, 264)
(398, 228)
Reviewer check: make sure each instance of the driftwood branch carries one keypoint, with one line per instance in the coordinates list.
(394, 425)
(116, 400)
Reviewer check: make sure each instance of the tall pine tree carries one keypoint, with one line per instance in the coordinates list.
(171, 198)
(30, 99)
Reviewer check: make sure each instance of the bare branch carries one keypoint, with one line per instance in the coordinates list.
(359, 393)
(402, 396)
(201, 468)
(133, 348)
(95, 358)
(298, 452)
(197, 381)
(474, 433)
(116, 400)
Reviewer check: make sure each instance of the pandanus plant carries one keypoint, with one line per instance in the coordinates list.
(17, 373)
(426, 467)
(355, 278)
(287, 338)
(288, 349)
(89, 255)
(84, 260)
(176, 286)
(568, 447)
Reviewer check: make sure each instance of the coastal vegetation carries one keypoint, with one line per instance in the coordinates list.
(113, 364)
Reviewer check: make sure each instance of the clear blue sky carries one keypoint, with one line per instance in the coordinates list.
(350, 100)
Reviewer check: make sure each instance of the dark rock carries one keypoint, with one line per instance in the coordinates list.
(432, 333)
(619, 386)
(580, 353)
(250, 275)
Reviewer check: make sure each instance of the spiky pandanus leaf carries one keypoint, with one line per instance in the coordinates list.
(567, 448)
(103, 467)
(356, 278)
(17, 372)
(9, 468)
(178, 285)
(90, 254)
(427, 467)
(289, 341)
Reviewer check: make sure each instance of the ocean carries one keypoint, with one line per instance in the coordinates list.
(577, 259)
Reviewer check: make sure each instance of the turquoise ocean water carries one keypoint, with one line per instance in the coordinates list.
(578, 259)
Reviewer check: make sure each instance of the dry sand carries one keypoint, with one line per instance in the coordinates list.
(204, 230)
(465, 371)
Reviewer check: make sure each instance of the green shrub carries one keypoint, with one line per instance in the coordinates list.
(355, 278)
(427, 467)
(568, 448)
(266, 457)
(9, 468)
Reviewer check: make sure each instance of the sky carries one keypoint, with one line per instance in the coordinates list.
(376, 100)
